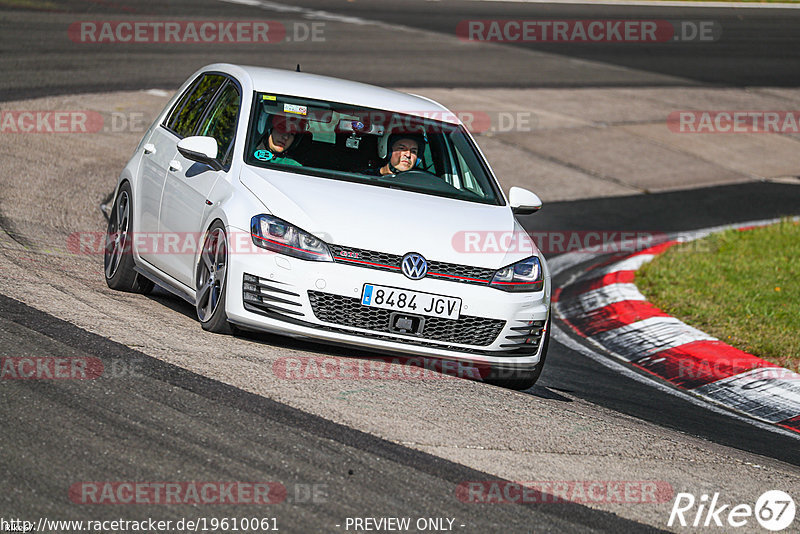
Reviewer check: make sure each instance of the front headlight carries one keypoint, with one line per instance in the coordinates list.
(525, 275)
(279, 236)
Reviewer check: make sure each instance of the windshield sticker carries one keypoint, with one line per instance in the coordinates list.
(264, 155)
(267, 97)
(297, 110)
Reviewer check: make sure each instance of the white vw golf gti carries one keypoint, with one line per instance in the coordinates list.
(331, 210)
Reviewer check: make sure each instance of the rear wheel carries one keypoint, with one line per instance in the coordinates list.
(520, 379)
(118, 254)
(211, 281)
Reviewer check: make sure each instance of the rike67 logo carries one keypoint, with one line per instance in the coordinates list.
(774, 510)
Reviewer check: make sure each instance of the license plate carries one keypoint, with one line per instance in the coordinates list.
(413, 302)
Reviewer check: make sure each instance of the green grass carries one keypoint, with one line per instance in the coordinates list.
(742, 287)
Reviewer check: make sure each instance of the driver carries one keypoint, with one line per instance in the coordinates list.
(405, 149)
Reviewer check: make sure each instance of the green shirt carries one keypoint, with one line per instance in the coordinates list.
(271, 157)
(286, 161)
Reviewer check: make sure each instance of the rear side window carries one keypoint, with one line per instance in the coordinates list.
(190, 107)
(220, 122)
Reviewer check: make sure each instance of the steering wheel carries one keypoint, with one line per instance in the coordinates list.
(416, 174)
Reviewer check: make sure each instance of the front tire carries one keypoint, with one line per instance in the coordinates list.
(118, 261)
(211, 281)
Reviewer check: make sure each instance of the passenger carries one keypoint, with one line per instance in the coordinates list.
(282, 137)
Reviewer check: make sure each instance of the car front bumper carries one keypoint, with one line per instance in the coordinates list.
(321, 301)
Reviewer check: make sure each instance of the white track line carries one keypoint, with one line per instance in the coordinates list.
(649, 336)
(605, 296)
(758, 392)
(562, 337)
(756, 401)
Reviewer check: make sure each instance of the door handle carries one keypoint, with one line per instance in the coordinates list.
(149, 148)
(175, 166)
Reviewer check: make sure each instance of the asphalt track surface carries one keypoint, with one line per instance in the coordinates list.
(755, 47)
(217, 432)
(163, 421)
(752, 47)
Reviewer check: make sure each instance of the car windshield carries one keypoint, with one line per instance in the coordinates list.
(371, 146)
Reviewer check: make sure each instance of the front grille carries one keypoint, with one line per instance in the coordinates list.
(391, 262)
(366, 258)
(349, 311)
(460, 273)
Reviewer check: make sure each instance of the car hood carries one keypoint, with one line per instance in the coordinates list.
(391, 220)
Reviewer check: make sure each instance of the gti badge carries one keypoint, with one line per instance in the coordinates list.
(414, 266)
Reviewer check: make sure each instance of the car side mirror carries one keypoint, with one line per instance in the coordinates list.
(201, 149)
(523, 202)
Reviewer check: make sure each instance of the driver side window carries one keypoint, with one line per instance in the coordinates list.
(220, 122)
(189, 109)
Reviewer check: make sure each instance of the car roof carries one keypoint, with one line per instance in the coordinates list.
(318, 87)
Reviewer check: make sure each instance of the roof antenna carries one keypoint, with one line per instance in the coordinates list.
(298, 68)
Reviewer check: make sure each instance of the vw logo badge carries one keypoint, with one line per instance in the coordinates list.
(414, 266)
